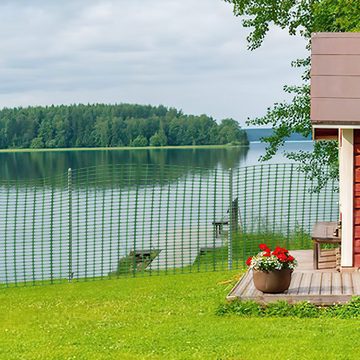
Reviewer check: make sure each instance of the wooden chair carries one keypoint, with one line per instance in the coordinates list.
(219, 224)
(326, 232)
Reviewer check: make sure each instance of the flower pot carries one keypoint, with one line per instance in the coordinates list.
(275, 281)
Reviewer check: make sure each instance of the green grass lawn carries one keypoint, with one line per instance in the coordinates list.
(160, 317)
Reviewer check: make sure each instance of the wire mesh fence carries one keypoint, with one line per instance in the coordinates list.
(130, 220)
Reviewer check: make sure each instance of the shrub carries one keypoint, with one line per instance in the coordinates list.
(351, 310)
(241, 308)
(304, 309)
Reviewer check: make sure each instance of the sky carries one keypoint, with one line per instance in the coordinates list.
(188, 54)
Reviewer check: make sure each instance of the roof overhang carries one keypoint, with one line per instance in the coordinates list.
(326, 126)
(325, 133)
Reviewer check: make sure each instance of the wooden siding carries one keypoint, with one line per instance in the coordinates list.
(357, 198)
(335, 65)
(335, 79)
(335, 111)
(333, 43)
(343, 87)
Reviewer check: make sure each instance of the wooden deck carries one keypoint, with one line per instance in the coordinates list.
(321, 287)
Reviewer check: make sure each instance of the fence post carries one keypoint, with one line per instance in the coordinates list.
(69, 181)
(231, 227)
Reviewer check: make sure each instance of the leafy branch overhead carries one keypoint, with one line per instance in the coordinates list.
(301, 18)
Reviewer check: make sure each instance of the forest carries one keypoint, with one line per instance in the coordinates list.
(102, 125)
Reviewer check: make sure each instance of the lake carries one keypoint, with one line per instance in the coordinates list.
(35, 165)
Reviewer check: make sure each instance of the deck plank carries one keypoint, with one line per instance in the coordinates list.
(304, 287)
(315, 285)
(336, 284)
(326, 284)
(243, 284)
(237, 289)
(295, 283)
(252, 291)
(247, 283)
(347, 287)
(356, 283)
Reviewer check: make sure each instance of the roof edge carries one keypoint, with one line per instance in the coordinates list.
(335, 35)
(335, 126)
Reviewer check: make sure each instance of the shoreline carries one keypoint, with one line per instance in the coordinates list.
(123, 148)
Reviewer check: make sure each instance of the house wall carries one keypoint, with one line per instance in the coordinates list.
(335, 78)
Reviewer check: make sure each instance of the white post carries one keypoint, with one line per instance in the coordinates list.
(346, 196)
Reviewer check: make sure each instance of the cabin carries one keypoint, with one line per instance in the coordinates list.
(335, 115)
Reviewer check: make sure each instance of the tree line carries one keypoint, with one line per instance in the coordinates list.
(102, 125)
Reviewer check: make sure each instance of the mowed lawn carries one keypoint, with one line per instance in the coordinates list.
(160, 317)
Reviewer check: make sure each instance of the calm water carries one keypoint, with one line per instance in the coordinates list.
(34, 165)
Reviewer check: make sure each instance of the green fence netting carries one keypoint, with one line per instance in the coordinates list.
(140, 220)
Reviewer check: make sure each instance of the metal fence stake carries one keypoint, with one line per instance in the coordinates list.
(70, 222)
(231, 227)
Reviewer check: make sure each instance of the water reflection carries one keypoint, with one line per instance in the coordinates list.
(35, 165)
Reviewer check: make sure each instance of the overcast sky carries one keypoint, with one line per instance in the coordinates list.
(189, 54)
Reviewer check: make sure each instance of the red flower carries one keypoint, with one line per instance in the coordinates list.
(279, 250)
(267, 254)
(282, 257)
(264, 247)
(291, 258)
(248, 261)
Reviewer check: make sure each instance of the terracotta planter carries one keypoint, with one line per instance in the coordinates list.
(276, 281)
